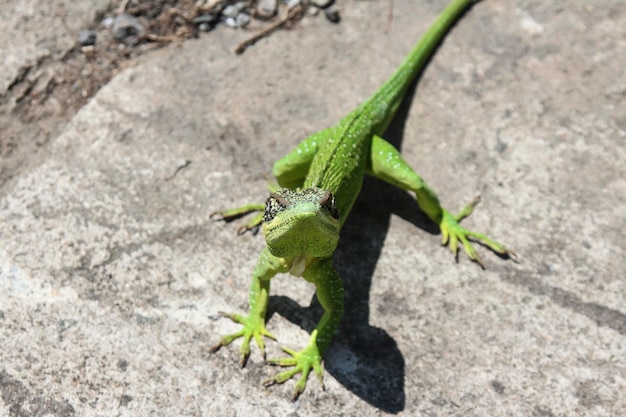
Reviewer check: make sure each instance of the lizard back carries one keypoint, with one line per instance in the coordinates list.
(341, 161)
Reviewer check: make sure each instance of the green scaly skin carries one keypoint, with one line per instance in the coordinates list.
(320, 181)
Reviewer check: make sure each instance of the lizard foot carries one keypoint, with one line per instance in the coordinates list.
(253, 327)
(234, 213)
(452, 232)
(303, 362)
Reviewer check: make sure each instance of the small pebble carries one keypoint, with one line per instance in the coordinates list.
(205, 22)
(128, 29)
(107, 22)
(87, 37)
(332, 14)
(322, 4)
(230, 22)
(230, 11)
(292, 3)
(89, 51)
(266, 8)
(205, 18)
(243, 19)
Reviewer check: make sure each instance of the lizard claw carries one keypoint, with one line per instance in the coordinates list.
(253, 328)
(303, 362)
(254, 228)
(232, 214)
(452, 233)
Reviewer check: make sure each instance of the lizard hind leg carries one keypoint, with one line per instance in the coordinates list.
(387, 164)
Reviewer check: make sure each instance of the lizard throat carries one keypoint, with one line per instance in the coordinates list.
(298, 266)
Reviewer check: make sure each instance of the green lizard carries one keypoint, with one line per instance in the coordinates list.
(320, 181)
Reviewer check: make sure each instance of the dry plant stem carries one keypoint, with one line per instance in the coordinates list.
(162, 39)
(210, 6)
(122, 7)
(293, 14)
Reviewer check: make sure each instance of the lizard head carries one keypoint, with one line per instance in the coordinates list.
(300, 223)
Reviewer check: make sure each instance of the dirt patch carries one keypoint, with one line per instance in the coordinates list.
(48, 91)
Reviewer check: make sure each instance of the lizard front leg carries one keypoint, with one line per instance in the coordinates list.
(329, 291)
(234, 213)
(254, 323)
(291, 169)
(387, 164)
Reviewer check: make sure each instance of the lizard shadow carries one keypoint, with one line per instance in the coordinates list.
(364, 358)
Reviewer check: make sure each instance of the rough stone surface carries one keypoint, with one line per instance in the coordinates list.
(111, 273)
(33, 30)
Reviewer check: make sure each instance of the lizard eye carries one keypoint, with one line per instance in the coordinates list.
(274, 205)
(328, 202)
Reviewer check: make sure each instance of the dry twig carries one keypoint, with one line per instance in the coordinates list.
(293, 14)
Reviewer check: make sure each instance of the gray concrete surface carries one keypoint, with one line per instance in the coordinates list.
(111, 273)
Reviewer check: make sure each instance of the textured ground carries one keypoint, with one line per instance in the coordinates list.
(111, 273)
